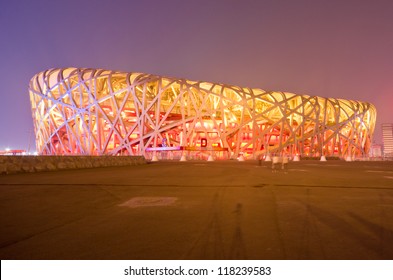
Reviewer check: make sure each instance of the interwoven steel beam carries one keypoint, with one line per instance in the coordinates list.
(96, 112)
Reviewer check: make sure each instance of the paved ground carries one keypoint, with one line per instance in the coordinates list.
(200, 210)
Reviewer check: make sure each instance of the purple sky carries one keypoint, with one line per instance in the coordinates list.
(332, 48)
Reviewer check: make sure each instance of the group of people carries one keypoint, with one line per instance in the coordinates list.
(278, 162)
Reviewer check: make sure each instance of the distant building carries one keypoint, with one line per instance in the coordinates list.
(387, 137)
(8, 152)
(376, 150)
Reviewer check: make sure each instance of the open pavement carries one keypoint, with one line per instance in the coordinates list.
(200, 210)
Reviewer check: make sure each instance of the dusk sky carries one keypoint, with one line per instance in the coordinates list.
(333, 48)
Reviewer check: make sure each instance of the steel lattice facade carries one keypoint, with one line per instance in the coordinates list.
(97, 112)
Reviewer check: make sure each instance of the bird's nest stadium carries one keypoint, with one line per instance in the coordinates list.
(81, 111)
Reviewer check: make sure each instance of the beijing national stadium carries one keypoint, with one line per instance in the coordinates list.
(81, 111)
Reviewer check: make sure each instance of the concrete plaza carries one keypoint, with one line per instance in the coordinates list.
(200, 210)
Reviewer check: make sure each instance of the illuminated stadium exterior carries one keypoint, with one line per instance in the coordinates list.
(101, 112)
